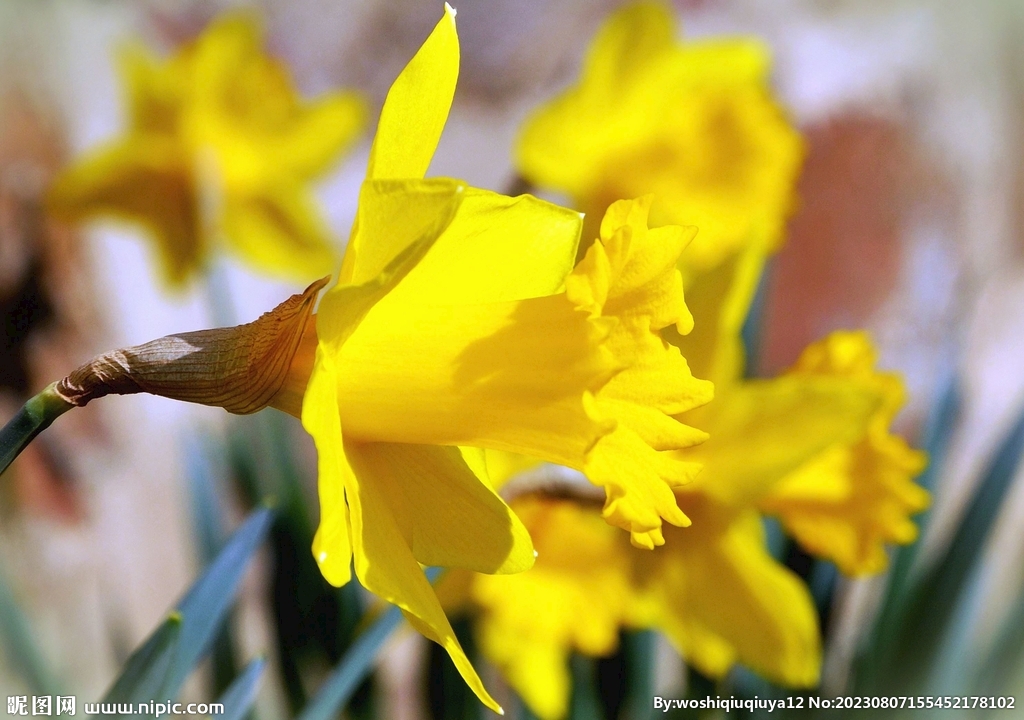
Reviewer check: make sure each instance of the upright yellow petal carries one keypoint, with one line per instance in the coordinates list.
(153, 91)
(496, 249)
(417, 105)
(631, 39)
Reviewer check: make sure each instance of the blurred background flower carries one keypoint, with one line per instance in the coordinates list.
(907, 222)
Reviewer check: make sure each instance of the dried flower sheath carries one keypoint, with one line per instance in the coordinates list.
(240, 369)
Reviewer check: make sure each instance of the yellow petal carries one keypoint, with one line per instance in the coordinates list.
(763, 429)
(629, 41)
(496, 249)
(396, 224)
(280, 232)
(332, 547)
(726, 600)
(417, 105)
(219, 144)
(630, 275)
(143, 181)
(153, 90)
(453, 519)
(322, 130)
(381, 537)
(244, 106)
(850, 500)
(503, 466)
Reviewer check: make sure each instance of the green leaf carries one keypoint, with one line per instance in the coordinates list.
(22, 652)
(144, 676)
(241, 694)
(206, 472)
(958, 650)
(159, 668)
(206, 604)
(585, 703)
(944, 587)
(336, 691)
(640, 650)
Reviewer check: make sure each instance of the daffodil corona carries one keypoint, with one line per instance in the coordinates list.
(219, 150)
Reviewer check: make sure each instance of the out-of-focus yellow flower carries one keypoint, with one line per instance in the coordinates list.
(714, 590)
(849, 501)
(812, 446)
(694, 123)
(459, 321)
(219, 148)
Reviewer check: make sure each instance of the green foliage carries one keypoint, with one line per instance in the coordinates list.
(20, 647)
(163, 663)
(241, 694)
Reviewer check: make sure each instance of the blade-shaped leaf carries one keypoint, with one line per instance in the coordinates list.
(19, 645)
(1006, 656)
(206, 472)
(240, 695)
(206, 604)
(145, 674)
(944, 586)
(159, 668)
(337, 689)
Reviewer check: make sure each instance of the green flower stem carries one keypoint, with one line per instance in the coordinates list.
(34, 417)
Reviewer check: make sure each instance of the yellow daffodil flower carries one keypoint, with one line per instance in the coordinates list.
(459, 321)
(713, 590)
(694, 123)
(813, 445)
(219, 149)
(458, 326)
